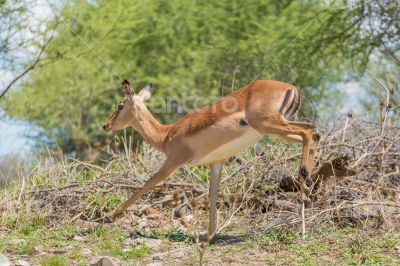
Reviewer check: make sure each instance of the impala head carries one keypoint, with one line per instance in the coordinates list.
(128, 110)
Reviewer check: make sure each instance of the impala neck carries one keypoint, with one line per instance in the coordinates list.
(150, 129)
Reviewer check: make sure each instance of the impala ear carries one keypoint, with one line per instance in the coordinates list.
(145, 93)
(126, 88)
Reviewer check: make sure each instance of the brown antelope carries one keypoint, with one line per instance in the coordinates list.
(213, 133)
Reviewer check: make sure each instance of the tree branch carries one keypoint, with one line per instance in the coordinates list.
(32, 66)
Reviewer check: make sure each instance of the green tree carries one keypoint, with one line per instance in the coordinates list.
(183, 47)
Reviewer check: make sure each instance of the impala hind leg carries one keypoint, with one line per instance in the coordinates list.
(291, 131)
(307, 158)
(299, 139)
(213, 195)
(168, 167)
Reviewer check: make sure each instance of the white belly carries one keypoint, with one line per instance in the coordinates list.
(231, 148)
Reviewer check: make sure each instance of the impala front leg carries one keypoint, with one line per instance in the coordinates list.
(168, 167)
(213, 195)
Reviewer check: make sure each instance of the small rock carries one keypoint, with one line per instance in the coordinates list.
(16, 241)
(79, 238)
(4, 261)
(36, 250)
(136, 234)
(153, 244)
(126, 249)
(106, 261)
(21, 263)
(252, 252)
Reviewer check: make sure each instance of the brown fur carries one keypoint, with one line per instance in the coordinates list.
(206, 116)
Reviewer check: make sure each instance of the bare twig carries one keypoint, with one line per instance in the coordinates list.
(32, 66)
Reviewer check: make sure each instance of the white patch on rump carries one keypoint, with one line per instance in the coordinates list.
(231, 148)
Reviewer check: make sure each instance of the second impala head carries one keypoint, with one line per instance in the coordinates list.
(128, 109)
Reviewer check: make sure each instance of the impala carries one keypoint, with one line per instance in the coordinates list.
(213, 133)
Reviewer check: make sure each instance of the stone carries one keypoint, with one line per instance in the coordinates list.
(126, 249)
(21, 263)
(79, 238)
(153, 244)
(106, 261)
(4, 261)
(136, 234)
(36, 250)
(142, 224)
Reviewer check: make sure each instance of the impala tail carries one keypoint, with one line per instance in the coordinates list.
(291, 103)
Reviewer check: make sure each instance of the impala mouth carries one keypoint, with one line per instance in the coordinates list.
(106, 128)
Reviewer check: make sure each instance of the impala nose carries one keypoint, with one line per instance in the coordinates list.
(106, 127)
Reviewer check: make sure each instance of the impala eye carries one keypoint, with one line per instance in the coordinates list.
(120, 106)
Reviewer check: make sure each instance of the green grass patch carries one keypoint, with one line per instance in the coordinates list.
(135, 252)
(23, 248)
(173, 234)
(24, 222)
(99, 202)
(87, 175)
(115, 248)
(276, 236)
(55, 260)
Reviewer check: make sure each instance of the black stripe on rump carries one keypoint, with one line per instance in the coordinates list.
(286, 99)
(293, 106)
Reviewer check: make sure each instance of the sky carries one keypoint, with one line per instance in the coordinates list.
(13, 137)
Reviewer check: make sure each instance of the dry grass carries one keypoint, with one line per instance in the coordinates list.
(251, 200)
(72, 190)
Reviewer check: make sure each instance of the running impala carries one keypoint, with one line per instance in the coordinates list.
(213, 133)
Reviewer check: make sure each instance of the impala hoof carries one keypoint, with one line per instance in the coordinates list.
(316, 137)
(303, 172)
(109, 219)
(306, 176)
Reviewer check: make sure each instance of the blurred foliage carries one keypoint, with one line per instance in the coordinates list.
(20, 31)
(382, 81)
(184, 47)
